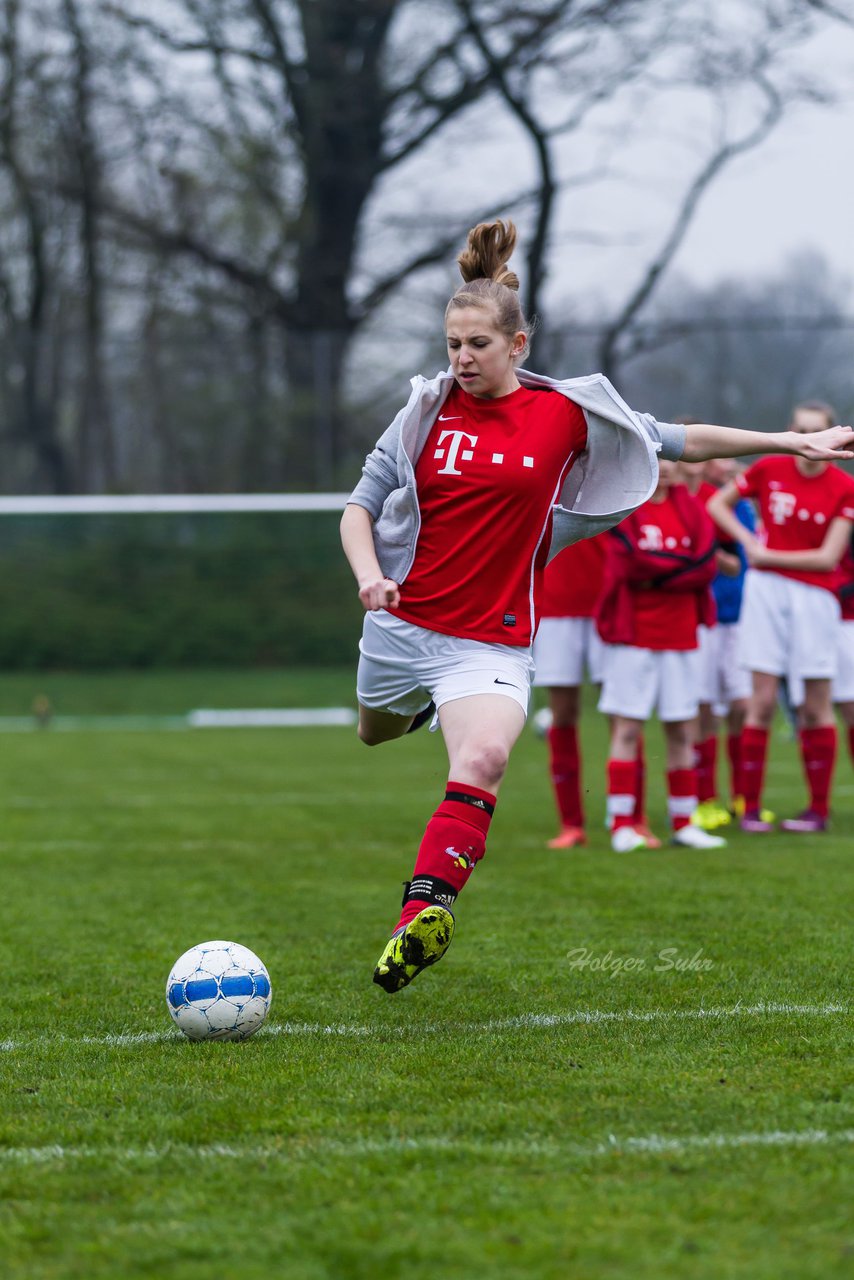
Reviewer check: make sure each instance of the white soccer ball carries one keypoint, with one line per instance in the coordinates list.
(218, 991)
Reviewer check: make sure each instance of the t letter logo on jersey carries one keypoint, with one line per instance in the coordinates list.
(781, 505)
(453, 451)
(651, 538)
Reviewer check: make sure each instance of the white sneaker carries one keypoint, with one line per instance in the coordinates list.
(692, 837)
(626, 840)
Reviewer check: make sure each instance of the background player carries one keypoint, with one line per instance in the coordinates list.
(566, 645)
(657, 589)
(791, 608)
(725, 685)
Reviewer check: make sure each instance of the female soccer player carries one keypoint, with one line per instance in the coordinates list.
(791, 610)
(484, 472)
(657, 591)
(724, 684)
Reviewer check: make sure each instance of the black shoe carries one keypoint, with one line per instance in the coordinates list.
(422, 717)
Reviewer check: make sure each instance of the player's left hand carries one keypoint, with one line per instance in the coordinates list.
(821, 446)
(758, 555)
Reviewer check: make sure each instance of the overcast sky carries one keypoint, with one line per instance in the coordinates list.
(795, 192)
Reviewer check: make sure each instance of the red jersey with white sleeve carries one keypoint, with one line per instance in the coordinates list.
(487, 478)
(573, 579)
(664, 620)
(796, 510)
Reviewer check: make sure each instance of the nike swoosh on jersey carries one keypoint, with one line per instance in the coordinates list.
(449, 417)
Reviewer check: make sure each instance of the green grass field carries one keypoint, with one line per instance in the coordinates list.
(512, 1114)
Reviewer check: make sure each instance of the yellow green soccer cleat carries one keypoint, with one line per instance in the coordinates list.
(710, 815)
(738, 808)
(420, 943)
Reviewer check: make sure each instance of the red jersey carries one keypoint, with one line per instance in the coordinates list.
(702, 495)
(664, 620)
(487, 478)
(573, 579)
(796, 510)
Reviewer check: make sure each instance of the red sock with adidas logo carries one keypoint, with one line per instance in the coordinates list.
(818, 753)
(454, 842)
(622, 794)
(565, 766)
(681, 796)
(706, 753)
(754, 755)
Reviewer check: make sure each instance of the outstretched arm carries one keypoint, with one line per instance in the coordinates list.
(357, 539)
(703, 441)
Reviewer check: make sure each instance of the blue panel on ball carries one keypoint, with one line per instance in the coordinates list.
(262, 985)
(201, 989)
(176, 995)
(238, 985)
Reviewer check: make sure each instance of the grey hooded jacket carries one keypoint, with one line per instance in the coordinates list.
(616, 473)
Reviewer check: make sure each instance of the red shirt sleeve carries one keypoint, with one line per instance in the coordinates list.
(749, 482)
(845, 507)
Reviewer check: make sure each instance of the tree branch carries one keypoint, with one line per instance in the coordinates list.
(702, 181)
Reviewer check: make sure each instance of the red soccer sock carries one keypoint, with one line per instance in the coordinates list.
(622, 777)
(733, 748)
(681, 796)
(565, 765)
(754, 755)
(818, 752)
(453, 843)
(639, 785)
(851, 741)
(706, 754)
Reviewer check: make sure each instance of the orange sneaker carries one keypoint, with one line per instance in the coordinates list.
(643, 829)
(569, 838)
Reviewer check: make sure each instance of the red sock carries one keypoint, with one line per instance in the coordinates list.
(681, 796)
(733, 748)
(565, 765)
(453, 843)
(851, 741)
(818, 752)
(622, 776)
(754, 754)
(639, 786)
(707, 768)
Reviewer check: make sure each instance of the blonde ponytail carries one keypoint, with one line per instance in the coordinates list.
(489, 283)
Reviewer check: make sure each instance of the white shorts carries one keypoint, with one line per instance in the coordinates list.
(640, 681)
(843, 684)
(402, 667)
(722, 679)
(842, 689)
(785, 626)
(563, 648)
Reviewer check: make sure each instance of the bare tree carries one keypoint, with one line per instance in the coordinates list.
(96, 461)
(251, 183)
(25, 285)
(349, 107)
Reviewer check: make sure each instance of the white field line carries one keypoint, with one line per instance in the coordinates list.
(303, 1149)
(523, 1021)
